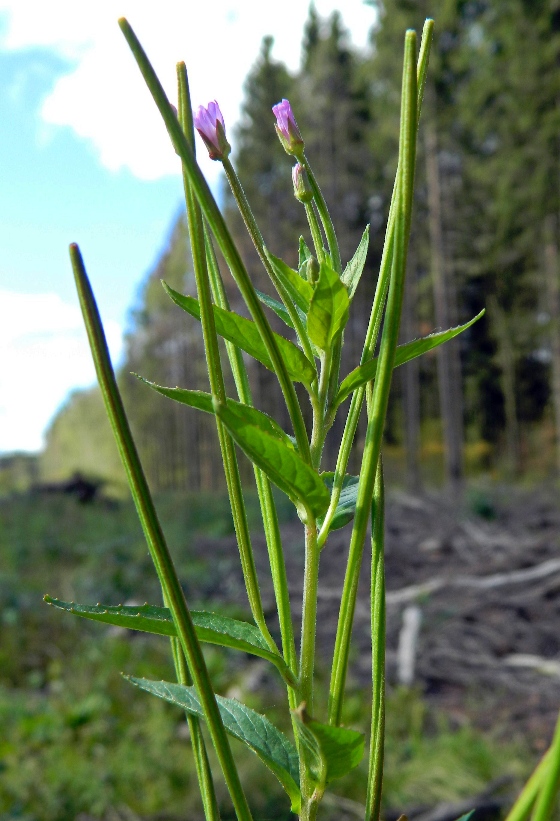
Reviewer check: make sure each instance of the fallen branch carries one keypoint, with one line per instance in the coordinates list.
(415, 591)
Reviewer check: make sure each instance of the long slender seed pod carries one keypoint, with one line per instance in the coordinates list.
(154, 535)
(376, 414)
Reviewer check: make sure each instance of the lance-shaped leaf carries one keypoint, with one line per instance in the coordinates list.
(278, 459)
(346, 506)
(304, 255)
(330, 752)
(299, 290)
(245, 334)
(404, 353)
(467, 816)
(203, 401)
(278, 307)
(353, 271)
(328, 311)
(254, 729)
(210, 627)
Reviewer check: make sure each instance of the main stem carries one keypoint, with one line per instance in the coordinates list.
(307, 654)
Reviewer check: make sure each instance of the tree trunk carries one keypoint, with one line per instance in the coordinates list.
(506, 360)
(553, 293)
(449, 370)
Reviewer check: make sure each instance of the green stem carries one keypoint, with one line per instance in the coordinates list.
(309, 615)
(315, 231)
(325, 216)
(522, 807)
(320, 410)
(407, 148)
(377, 308)
(218, 226)
(548, 791)
(154, 535)
(202, 765)
(264, 489)
(307, 648)
(332, 240)
(258, 241)
(377, 735)
(214, 366)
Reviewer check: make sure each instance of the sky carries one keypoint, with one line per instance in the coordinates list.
(85, 158)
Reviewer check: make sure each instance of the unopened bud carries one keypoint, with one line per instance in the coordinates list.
(209, 123)
(287, 129)
(302, 187)
(312, 270)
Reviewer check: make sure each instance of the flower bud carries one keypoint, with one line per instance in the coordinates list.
(209, 123)
(312, 270)
(287, 129)
(302, 186)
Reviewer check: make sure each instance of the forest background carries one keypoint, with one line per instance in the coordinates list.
(486, 233)
(76, 743)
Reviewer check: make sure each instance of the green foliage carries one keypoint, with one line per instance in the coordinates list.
(404, 353)
(331, 752)
(352, 273)
(346, 506)
(328, 309)
(76, 739)
(244, 333)
(253, 729)
(277, 457)
(211, 628)
(278, 308)
(337, 104)
(299, 290)
(204, 402)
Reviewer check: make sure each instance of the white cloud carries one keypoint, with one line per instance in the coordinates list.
(103, 98)
(44, 356)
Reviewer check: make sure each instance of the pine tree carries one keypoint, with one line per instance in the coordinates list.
(510, 120)
(164, 345)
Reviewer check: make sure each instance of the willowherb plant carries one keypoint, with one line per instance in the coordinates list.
(314, 302)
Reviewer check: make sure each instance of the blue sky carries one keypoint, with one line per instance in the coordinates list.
(85, 159)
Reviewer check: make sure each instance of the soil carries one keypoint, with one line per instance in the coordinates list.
(482, 576)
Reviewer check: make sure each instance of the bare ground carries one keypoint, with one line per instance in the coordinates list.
(486, 590)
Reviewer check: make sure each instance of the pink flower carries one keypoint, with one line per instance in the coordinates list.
(209, 123)
(287, 128)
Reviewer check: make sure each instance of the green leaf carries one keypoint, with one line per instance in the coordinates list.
(278, 307)
(299, 290)
(210, 627)
(245, 334)
(404, 353)
(255, 730)
(330, 751)
(304, 255)
(203, 401)
(467, 816)
(353, 271)
(282, 464)
(328, 311)
(346, 506)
